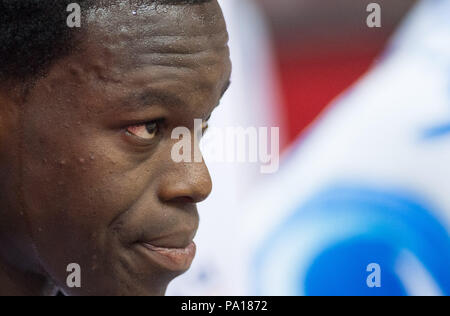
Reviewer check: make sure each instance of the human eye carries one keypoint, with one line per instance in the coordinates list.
(145, 131)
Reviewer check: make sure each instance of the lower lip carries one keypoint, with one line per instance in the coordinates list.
(173, 259)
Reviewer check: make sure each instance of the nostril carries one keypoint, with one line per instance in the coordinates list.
(184, 200)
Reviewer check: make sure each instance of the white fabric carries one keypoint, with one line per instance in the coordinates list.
(378, 133)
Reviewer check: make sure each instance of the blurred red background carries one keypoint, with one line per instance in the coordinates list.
(322, 47)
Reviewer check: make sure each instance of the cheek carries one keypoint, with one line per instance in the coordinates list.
(73, 191)
(75, 175)
(83, 191)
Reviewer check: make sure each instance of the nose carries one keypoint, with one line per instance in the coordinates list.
(186, 182)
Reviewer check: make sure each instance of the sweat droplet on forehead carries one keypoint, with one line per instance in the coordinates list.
(160, 19)
(126, 39)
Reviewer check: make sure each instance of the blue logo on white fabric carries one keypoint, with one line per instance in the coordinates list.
(325, 247)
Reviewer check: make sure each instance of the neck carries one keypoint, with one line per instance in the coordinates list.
(21, 283)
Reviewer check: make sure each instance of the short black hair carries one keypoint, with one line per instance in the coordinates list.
(34, 33)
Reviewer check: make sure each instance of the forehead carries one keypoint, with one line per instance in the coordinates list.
(159, 18)
(139, 33)
(155, 47)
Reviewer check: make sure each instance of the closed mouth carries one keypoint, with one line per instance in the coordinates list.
(172, 259)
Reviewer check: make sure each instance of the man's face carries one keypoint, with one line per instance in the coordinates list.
(92, 162)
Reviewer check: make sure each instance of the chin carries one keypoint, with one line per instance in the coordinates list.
(122, 291)
(121, 287)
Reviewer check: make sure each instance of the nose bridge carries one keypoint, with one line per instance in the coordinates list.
(187, 180)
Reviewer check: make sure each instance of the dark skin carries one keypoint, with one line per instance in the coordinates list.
(86, 168)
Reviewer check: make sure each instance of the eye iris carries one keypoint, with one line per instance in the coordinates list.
(152, 128)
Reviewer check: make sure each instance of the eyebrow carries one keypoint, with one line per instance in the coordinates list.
(152, 96)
